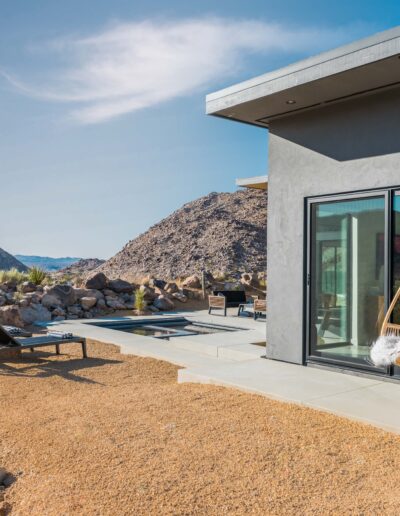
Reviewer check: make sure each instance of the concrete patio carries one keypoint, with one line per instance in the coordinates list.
(233, 360)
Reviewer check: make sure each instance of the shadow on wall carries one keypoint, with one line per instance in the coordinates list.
(353, 129)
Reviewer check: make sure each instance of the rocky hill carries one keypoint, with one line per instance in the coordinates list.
(83, 266)
(8, 261)
(224, 233)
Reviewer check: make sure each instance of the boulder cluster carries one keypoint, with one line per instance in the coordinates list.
(27, 303)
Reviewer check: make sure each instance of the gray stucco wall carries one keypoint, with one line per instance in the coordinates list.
(353, 145)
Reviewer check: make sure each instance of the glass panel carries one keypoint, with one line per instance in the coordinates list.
(396, 254)
(347, 277)
(396, 265)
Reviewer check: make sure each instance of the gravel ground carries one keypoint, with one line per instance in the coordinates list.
(115, 435)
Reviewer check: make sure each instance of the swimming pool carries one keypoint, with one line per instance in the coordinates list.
(166, 328)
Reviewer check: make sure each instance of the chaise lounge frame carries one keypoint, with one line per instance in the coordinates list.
(39, 342)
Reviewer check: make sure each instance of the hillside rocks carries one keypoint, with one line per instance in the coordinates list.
(82, 266)
(224, 233)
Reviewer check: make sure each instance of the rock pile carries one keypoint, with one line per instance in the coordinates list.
(27, 303)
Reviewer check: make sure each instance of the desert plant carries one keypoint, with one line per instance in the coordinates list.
(262, 283)
(140, 303)
(12, 275)
(37, 275)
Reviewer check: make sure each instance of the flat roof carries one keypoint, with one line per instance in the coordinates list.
(257, 182)
(362, 67)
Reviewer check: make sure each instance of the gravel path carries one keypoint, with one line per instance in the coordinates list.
(116, 435)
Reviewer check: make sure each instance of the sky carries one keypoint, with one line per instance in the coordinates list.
(103, 129)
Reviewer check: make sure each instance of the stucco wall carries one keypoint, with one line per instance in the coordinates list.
(353, 145)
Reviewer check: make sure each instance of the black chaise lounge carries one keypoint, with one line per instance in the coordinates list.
(39, 342)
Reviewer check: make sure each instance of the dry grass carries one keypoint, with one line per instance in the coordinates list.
(114, 435)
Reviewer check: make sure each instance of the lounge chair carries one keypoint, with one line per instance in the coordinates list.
(6, 339)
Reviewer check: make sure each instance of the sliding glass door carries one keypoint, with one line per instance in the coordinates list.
(347, 266)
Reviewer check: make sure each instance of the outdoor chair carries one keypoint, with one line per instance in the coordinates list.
(389, 328)
(257, 307)
(260, 307)
(217, 303)
(6, 339)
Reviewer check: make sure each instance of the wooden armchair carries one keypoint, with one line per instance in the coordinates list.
(217, 302)
(260, 307)
(389, 328)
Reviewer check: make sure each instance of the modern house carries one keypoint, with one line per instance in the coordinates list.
(333, 198)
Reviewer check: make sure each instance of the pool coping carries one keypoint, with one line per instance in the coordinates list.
(185, 351)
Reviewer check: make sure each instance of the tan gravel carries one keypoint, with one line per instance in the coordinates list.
(115, 435)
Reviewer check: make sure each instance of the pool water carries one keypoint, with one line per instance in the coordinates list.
(164, 329)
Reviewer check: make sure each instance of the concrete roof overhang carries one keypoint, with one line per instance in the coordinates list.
(257, 182)
(360, 68)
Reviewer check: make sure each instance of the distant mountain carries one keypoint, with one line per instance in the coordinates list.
(45, 262)
(8, 261)
(83, 266)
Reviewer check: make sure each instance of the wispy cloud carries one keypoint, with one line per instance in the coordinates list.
(131, 66)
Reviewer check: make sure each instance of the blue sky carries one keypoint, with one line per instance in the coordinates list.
(102, 126)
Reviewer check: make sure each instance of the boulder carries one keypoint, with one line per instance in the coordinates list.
(120, 286)
(11, 315)
(149, 293)
(50, 301)
(3, 300)
(98, 281)
(109, 293)
(75, 310)
(152, 308)
(171, 287)
(163, 303)
(88, 302)
(153, 283)
(27, 286)
(24, 302)
(249, 279)
(115, 303)
(192, 282)
(65, 293)
(101, 304)
(33, 297)
(35, 313)
(128, 298)
(180, 297)
(233, 285)
(58, 312)
(88, 292)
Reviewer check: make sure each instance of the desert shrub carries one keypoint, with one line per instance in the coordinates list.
(13, 275)
(263, 283)
(140, 303)
(37, 275)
